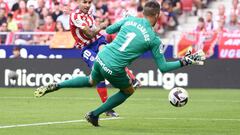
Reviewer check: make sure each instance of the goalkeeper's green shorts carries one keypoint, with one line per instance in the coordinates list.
(118, 79)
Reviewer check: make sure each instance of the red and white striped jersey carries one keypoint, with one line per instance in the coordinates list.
(78, 21)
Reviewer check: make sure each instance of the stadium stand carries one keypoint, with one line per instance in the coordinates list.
(35, 22)
(36, 13)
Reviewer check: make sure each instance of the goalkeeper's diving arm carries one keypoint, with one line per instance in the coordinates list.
(189, 59)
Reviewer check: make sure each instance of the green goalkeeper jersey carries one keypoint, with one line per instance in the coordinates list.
(135, 36)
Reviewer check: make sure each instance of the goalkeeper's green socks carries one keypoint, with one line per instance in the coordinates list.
(75, 83)
(111, 102)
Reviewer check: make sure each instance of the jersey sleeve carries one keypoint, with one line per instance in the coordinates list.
(116, 26)
(76, 20)
(159, 58)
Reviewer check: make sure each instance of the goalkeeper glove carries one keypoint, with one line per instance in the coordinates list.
(196, 58)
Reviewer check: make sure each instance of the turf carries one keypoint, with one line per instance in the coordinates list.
(208, 112)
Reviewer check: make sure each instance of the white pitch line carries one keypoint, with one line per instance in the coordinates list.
(115, 118)
(53, 98)
(194, 119)
(134, 99)
(56, 122)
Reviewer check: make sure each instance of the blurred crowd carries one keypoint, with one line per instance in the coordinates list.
(172, 9)
(53, 15)
(221, 21)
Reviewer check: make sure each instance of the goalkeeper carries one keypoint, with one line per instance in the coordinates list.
(135, 36)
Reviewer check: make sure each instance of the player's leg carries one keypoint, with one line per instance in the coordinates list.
(112, 102)
(101, 87)
(102, 90)
(77, 82)
(71, 83)
(126, 90)
(89, 57)
(136, 83)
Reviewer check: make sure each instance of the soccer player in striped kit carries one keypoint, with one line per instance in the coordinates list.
(89, 41)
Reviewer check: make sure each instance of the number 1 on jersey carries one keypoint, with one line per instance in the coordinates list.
(129, 38)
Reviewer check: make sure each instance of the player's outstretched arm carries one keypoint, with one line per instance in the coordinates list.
(189, 59)
(165, 66)
(89, 32)
(92, 32)
(115, 27)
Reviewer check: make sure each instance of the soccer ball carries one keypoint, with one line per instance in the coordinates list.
(178, 97)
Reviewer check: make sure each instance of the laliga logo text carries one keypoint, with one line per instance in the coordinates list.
(36, 79)
(167, 80)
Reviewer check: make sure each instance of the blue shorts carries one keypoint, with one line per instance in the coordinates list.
(90, 51)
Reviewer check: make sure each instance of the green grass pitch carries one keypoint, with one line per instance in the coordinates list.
(208, 112)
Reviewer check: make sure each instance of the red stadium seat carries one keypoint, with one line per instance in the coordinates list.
(187, 5)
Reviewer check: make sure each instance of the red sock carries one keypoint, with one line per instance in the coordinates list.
(102, 92)
(130, 74)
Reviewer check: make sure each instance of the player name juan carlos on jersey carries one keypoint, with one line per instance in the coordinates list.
(141, 28)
